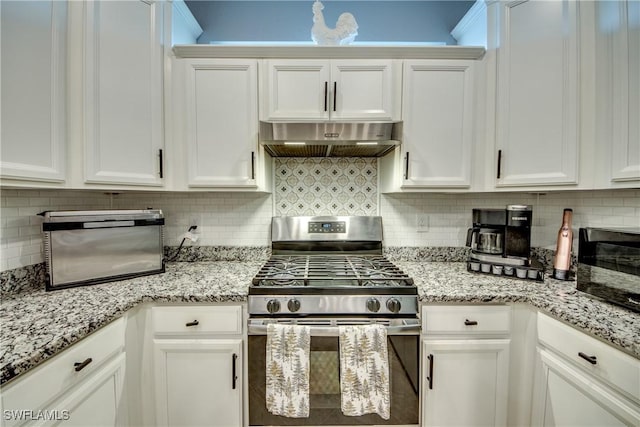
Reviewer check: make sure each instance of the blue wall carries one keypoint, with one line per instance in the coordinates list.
(378, 21)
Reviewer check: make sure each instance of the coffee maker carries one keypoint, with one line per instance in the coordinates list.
(500, 242)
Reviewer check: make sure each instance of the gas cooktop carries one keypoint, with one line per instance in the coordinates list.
(324, 271)
(330, 266)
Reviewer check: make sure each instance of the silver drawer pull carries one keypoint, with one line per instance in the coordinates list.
(590, 359)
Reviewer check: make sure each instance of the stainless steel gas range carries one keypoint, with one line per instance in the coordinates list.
(326, 272)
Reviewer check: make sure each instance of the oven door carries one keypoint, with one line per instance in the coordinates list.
(324, 374)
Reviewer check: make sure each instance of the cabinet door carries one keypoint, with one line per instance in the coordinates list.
(198, 382)
(123, 121)
(94, 402)
(465, 382)
(537, 93)
(222, 123)
(619, 55)
(296, 90)
(33, 131)
(363, 89)
(437, 123)
(565, 396)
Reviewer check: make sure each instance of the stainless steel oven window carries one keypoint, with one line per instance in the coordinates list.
(324, 396)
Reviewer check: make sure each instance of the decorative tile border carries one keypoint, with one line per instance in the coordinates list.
(327, 186)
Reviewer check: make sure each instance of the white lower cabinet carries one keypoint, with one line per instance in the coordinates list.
(465, 365)
(466, 382)
(198, 365)
(96, 402)
(198, 382)
(565, 396)
(82, 386)
(581, 381)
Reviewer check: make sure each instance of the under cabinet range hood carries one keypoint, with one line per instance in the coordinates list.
(329, 139)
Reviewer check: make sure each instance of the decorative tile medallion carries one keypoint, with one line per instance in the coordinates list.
(327, 186)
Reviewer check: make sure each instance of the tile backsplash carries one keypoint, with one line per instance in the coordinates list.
(448, 216)
(326, 186)
(242, 219)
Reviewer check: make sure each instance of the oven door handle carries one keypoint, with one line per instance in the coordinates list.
(334, 330)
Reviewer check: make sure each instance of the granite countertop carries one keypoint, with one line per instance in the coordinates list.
(36, 325)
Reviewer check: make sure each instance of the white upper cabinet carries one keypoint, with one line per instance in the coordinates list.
(365, 89)
(123, 92)
(222, 123)
(33, 130)
(618, 83)
(537, 92)
(437, 123)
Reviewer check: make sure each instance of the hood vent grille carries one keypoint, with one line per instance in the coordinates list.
(329, 139)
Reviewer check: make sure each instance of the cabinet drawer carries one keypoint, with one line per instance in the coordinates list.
(197, 320)
(39, 387)
(466, 319)
(611, 365)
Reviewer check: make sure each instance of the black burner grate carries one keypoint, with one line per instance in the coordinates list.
(330, 271)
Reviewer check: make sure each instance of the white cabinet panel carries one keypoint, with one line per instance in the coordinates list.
(466, 382)
(466, 320)
(297, 89)
(195, 382)
(222, 123)
(33, 130)
(438, 123)
(177, 320)
(123, 123)
(363, 90)
(566, 396)
(618, 58)
(331, 90)
(538, 100)
(97, 401)
(81, 386)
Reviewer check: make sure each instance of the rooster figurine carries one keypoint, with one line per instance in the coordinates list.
(345, 32)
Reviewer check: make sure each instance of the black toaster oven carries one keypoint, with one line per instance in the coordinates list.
(609, 265)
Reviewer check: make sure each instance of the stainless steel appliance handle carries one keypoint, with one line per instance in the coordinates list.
(318, 330)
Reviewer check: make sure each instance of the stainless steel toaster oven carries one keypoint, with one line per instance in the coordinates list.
(609, 265)
(89, 247)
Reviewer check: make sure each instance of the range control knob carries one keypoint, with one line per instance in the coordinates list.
(293, 305)
(393, 305)
(273, 306)
(373, 305)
